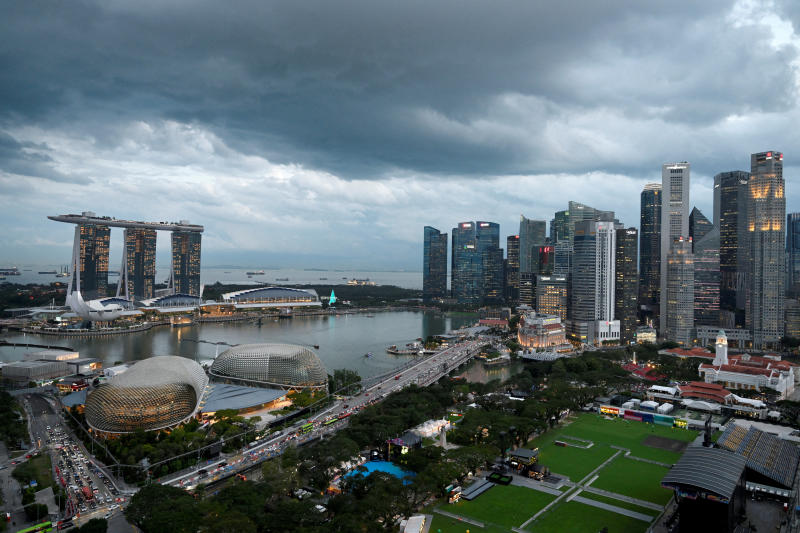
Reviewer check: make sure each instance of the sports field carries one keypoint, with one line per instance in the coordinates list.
(445, 524)
(507, 506)
(635, 479)
(619, 503)
(574, 517)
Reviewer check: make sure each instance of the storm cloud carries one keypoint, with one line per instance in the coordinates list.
(344, 127)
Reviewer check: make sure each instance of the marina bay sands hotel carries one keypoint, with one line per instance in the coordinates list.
(89, 267)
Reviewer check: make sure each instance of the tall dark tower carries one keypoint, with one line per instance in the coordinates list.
(512, 270)
(466, 265)
(650, 252)
(699, 225)
(793, 255)
(730, 216)
(766, 249)
(94, 242)
(140, 263)
(487, 235)
(434, 265)
(186, 262)
(626, 283)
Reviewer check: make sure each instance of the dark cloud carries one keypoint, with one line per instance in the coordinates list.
(366, 88)
(30, 160)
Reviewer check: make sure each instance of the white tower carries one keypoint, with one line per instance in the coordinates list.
(721, 357)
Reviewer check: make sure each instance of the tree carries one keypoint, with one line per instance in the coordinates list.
(157, 508)
(95, 525)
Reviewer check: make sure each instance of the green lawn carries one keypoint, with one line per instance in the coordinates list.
(635, 479)
(574, 517)
(445, 524)
(603, 432)
(507, 506)
(618, 503)
(38, 468)
(573, 462)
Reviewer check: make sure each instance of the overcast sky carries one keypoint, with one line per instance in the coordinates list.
(319, 133)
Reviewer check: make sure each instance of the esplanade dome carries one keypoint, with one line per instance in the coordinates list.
(154, 393)
(287, 366)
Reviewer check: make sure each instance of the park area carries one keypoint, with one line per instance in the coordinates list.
(600, 454)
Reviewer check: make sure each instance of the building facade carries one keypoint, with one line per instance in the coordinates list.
(531, 236)
(674, 221)
(626, 290)
(434, 265)
(678, 303)
(139, 263)
(512, 270)
(538, 332)
(793, 255)
(766, 215)
(730, 216)
(552, 297)
(466, 278)
(94, 243)
(650, 251)
(487, 235)
(707, 279)
(186, 262)
(559, 227)
(699, 225)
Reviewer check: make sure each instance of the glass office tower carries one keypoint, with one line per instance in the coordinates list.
(186, 262)
(466, 265)
(626, 290)
(730, 216)
(650, 252)
(434, 265)
(512, 270)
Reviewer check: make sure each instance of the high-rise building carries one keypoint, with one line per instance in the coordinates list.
(186, 262)
(578, 212)
(531, 236)
(552, 296)
(650, 252)
(593, 283)
(434, 265)
(699, 225)
(139, 266)
(487, 235)
(527, 286)
(792, 313)
(766, 249)
(94, 242)
(674, 220)
(562, 258)
(678, 304)
(559, 227)
(626, 290)
(793, 255)
(546, 259)
(707, 279)
(730, 216)
(466, 266)
(512, 270)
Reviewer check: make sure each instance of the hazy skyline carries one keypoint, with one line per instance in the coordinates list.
(316, 134)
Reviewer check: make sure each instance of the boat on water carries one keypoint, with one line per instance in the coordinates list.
(256, 273)
(11, 271)
(51, 272)
(316, 346)
(368, 354)
(410, 349)
(323, 279)
(281, 279)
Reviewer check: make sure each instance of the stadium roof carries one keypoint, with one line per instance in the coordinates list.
(765, 453)
(220, 396)
(709, 469)
(75, 398)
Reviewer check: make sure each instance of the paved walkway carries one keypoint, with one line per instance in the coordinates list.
(593, 472)
(622, 497)
(642, 459)
(613, 508)
(459, 518)
(533, 484)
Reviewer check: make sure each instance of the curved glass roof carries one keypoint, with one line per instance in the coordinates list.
(283, 365)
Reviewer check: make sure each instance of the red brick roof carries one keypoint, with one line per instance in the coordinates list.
(693, 352)
(705, 391)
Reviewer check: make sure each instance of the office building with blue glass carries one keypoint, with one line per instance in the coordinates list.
(434, 265)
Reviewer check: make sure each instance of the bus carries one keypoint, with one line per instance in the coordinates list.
(44, 526)
(329, 422)
(307, 428)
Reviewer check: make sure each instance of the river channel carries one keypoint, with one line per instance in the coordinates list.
(343, 340)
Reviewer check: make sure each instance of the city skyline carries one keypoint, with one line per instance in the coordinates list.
(340, 135)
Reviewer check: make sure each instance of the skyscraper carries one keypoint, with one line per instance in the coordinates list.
(140, 263)
(94, 242)
(650, 251)
(730, 216)
(793, 255)
(699, 225)
(593, 283)
(766, 249)
(487, 236)
(626, 290)
(562, 258)
(546, 259)
(674, 223)
(467, 274)
(531, 236)
(578, 212)
(434, 265)
(678, 304)
(512, 270)
(559, 227)
(186, 262)
(707, 279)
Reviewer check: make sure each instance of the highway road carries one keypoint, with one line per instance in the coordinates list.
(427, 370)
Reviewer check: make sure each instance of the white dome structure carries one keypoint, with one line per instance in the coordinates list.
(153, 394)
(287, 366)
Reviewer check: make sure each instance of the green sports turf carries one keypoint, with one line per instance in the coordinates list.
(618, 503)
(445, 524)
(573, 462)
(635, 479)
(507, 506)
(575, 517)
